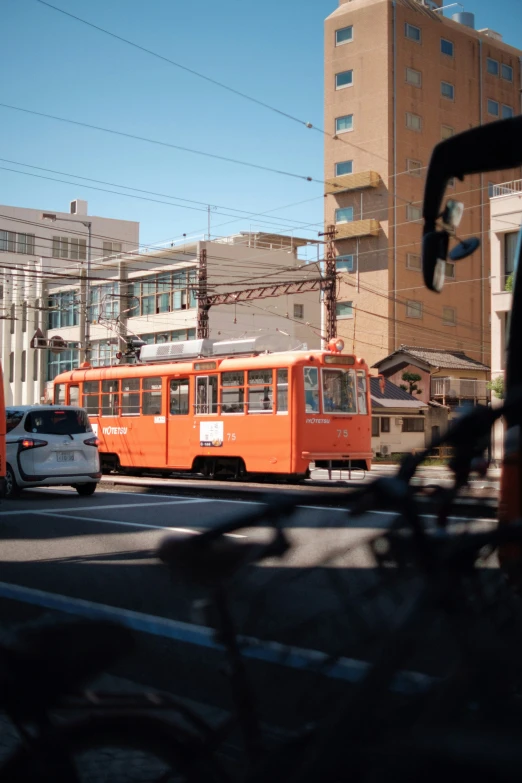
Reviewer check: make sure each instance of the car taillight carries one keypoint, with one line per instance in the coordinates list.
(31, 443)
(92, 442)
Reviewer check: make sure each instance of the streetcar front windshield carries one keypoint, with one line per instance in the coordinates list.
(339, 391)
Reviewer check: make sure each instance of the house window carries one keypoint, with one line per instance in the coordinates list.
(410, 424)
(492, 66)
(413, 77)
(413, 309)
(446, 132)
(446, 47)
(298, 311)
(111, 249)
(343, 167)
(385, 423)
(413, 121)
(344, 35)
(414, 167)
(412, 32)
(344, 215)
(447, 90)
(493, 108)
(343, 79)
(344, 263)
(449, 316)
(413, 261)
(507, 112)
(344, 124)
(507, 73)
(413, 213)
(344, 310)
(375, 427)
(450, 270)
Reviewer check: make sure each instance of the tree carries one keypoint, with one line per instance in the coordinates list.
(411, 378)
(497, 386)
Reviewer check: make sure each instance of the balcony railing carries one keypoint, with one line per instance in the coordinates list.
(507, 188)
(454, 389)
(357, 228)
(363, 179)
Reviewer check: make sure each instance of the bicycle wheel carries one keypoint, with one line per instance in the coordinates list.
(128, 748)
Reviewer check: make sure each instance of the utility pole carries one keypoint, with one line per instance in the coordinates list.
(330, 284)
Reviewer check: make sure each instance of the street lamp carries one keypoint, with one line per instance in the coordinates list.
(52, 217)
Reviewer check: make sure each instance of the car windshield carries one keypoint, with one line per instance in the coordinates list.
(57, 422)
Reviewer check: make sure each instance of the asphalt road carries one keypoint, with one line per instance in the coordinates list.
(62, 553)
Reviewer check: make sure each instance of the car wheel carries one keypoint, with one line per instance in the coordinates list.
(11, 487)
(86, 489)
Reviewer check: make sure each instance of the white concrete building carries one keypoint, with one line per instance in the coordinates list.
(154, 296)
(36, 247)
(506, 220)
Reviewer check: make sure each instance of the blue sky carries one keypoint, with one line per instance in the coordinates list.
(271, 50)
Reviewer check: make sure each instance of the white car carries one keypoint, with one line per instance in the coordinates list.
(50, 445)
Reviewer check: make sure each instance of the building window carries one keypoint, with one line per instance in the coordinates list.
(60, 247)
(447, 90)
(510, 246)
(413, 77)
(450, 270)
(343, 79)
(492, 66)
(410, 424)
(446, 132)
(375, 427)
(412, 32)
(24, 367)
(12, 318)
(344, 263)
(446, 47)
(104, 302)
(507, 112)
(413, 309)
(298, 311)
(344, 35)
(413, 261)
(179, 335)
(164, 293)
(385, 423)
(507, 73)
(103, 353)
(413, 213)
(344, 310)
(35, 365)
(343, 167)
(414, 167)
(24, 317)
(344, 215)
(63, 309)
(449, 316)
(493, 108)
(344, 124)
(11, 367)
(8, 241)
(61, 362)
(17, 243)
(111, 249)
(78, 249)
(413, 121)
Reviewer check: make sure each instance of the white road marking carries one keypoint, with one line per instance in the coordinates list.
(114, 505)
(124, 524)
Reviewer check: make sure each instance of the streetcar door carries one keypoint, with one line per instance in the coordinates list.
(179, 424)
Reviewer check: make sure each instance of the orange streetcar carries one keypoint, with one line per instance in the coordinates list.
(227, 408)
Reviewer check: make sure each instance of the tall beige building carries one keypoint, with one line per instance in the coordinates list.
(399, 77)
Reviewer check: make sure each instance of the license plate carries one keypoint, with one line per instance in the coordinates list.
(64, 456)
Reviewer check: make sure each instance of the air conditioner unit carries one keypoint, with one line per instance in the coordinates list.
(385, 450)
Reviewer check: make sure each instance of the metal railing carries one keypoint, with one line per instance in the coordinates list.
(507, 188)
(459, 388)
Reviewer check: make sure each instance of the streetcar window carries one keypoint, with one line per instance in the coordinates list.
(179, 397)
(233, 392)
(74, 396)
(110, 398)
(206, 394)
(130, 398)
(59, 394)
(260, 391)
(361, 392)
(311, 386)
(282, 391)
(339, 391)
(91, 397)
(151, 402)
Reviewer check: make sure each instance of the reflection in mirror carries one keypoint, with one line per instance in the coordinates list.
(464, 249)
(453, 212)
(434, 253)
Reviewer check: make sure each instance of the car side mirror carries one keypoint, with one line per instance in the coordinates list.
(434, 254)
